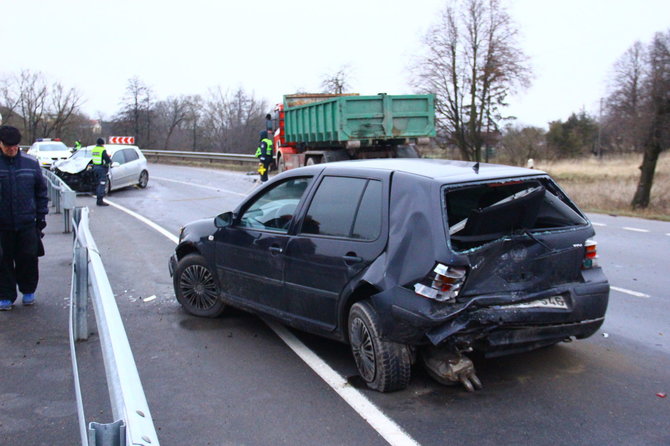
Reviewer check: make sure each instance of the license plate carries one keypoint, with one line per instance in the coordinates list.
(549, 302)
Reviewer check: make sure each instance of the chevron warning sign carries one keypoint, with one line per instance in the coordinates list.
(121, 140)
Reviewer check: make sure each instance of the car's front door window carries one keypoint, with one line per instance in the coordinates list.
(274, 209)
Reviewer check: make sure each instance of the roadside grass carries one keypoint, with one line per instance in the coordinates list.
(607, 186)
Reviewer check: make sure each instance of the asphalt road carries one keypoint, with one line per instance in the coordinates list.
(233, 381)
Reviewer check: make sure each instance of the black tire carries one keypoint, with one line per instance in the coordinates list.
(384, 366)
(196, 288)
(143, 180)
(281, 164)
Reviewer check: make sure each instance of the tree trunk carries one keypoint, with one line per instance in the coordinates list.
(647, 170)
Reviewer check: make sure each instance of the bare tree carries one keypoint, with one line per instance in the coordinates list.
(63, 105)
(657, 86)
(522, 143)
(136, 112)
(233, 121)
(170, 114)
(33, 94)
(625, 113)
(337, 83)
(472, 64)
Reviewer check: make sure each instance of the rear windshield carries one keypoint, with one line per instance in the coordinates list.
(480, 213)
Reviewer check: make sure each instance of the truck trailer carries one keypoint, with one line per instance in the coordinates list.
(320, 128)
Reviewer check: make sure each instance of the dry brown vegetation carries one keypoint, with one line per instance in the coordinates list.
(607, 186)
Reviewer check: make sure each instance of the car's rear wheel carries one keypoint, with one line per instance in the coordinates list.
(144, 179)
(196, 287)
(384, 366)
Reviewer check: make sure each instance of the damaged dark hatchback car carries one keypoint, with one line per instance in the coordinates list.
(406, 260)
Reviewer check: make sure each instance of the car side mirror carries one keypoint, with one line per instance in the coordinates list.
(224, 220)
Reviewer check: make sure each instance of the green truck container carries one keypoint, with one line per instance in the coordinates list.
(360, 118)
(316, 128)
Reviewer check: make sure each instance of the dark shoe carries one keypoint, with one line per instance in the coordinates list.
(6, 305)
(28, 298)
(102, 203)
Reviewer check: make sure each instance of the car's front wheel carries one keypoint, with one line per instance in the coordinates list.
(384, 366)
(144, 179)
(196, 287)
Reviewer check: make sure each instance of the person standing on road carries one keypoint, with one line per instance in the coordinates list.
(264, 154)
(24, 204)
(101, 162)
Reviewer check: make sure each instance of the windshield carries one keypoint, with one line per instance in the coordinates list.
(480, 213)
(81, 154)
(55, 147)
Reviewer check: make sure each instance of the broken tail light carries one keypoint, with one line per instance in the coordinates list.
(442, 284)
(590, 255)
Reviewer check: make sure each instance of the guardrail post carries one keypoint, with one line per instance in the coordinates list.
(110, 434)
(81, 293)
(69, 198)
(80, 320)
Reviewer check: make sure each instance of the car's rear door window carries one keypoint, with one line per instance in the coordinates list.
(345, 207)
(130, 155)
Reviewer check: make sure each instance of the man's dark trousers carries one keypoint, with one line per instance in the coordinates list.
(100, 181)
(20, 249)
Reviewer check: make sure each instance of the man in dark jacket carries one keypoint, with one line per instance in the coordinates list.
(23, 210)
(101, 162)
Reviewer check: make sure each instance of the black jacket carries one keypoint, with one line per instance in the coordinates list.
(23, 192)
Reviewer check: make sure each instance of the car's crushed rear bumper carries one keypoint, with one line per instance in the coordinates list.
(494, 324)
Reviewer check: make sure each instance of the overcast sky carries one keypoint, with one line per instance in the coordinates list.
(271, 48)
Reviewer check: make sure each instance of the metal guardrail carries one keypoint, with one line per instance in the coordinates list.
(205, 156)
(133, 425)
(61, 197)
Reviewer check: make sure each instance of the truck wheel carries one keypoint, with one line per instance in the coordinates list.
(196, 287)
(384, 366)
(281, 164)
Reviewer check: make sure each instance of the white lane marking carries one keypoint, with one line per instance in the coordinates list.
(598, 224)
(632, 293)
(146, 221)
(386, 427)
(218, 189)
(635, 229)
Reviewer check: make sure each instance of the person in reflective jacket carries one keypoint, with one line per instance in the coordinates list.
(23, 209)
(264, 155)
(101, 162)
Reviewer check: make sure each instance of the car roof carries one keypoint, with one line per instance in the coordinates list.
(50, 142)
(113, 147)
(446, 171)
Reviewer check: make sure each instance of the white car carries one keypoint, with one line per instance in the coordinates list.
(49, 151)
(129, 168)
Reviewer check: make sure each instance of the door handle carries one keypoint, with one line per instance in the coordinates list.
(275, 249)
(352, 258)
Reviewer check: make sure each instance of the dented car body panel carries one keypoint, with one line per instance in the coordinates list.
(487, 257)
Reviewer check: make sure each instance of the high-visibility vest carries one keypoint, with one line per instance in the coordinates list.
(268, 147)
(97, 155)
